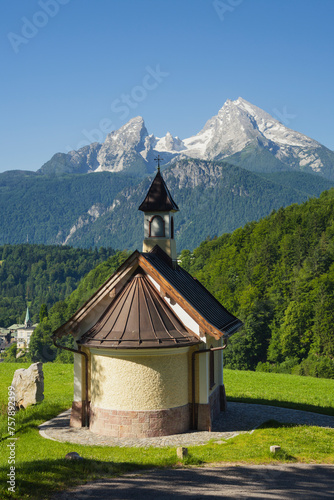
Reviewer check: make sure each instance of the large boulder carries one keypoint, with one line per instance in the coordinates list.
(29, 385)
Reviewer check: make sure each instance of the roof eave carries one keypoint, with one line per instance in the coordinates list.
(139, 347)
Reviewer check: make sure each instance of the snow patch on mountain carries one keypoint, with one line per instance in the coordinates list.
(169, 144)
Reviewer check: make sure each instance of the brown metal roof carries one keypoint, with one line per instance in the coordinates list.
(158, 198)
(138, 318)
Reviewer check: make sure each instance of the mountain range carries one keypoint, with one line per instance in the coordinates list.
(241, 134)
(242, 165)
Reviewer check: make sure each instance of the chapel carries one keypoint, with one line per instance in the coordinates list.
(148, 357)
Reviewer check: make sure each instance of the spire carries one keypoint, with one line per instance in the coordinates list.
(158, 198)
(27, 321)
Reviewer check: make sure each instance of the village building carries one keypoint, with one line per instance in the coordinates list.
(149, 343)
(24, 332)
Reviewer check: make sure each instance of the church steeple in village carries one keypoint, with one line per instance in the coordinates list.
(159, 207)
(27, 321)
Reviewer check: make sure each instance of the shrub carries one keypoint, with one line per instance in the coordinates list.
(285, 367)
(316, 366)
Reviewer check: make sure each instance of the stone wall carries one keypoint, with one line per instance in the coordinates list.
(206, 413)
(140, 424)
(76, 419)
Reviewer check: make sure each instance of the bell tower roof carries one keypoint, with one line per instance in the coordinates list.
(158, 198)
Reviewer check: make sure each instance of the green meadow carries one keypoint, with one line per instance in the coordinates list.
(278, 389)
(42, 470)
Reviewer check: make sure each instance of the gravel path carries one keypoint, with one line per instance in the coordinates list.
(238, 418)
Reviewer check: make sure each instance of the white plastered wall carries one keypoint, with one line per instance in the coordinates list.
(151, 379)
(204, 369)
(78, 379)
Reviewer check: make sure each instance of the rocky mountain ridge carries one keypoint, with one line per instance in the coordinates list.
(241, 133)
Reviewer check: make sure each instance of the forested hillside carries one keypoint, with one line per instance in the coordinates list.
(45, 208)
(277, 276)
(40, 274)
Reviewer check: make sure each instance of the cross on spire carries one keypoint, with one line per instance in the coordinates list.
(158, 159)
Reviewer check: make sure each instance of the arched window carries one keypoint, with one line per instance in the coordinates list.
(172, 227)
(157, 227)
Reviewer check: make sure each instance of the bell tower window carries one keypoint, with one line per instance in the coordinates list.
(156, 227)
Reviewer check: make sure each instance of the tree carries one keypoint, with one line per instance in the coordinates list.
(9, 355)
(41, 347)
(43, 313)
(295, 331)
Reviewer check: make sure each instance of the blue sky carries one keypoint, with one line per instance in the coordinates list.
(72, 70)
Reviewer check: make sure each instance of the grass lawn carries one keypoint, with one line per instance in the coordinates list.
(41, 469)
(278, 389)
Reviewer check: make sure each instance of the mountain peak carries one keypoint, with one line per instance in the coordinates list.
(240, 124)
(243, 101)
(239, 130)
(137, 120)
(251, 108)
(131, 132)
(169, 144)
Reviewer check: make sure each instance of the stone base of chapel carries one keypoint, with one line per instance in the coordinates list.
(140, 424)
(76, 414)
(207, 413)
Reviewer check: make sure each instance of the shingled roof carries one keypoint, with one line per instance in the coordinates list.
(197, 296)
(158, 198)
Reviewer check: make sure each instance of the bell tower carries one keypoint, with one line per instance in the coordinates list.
(159, 208)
